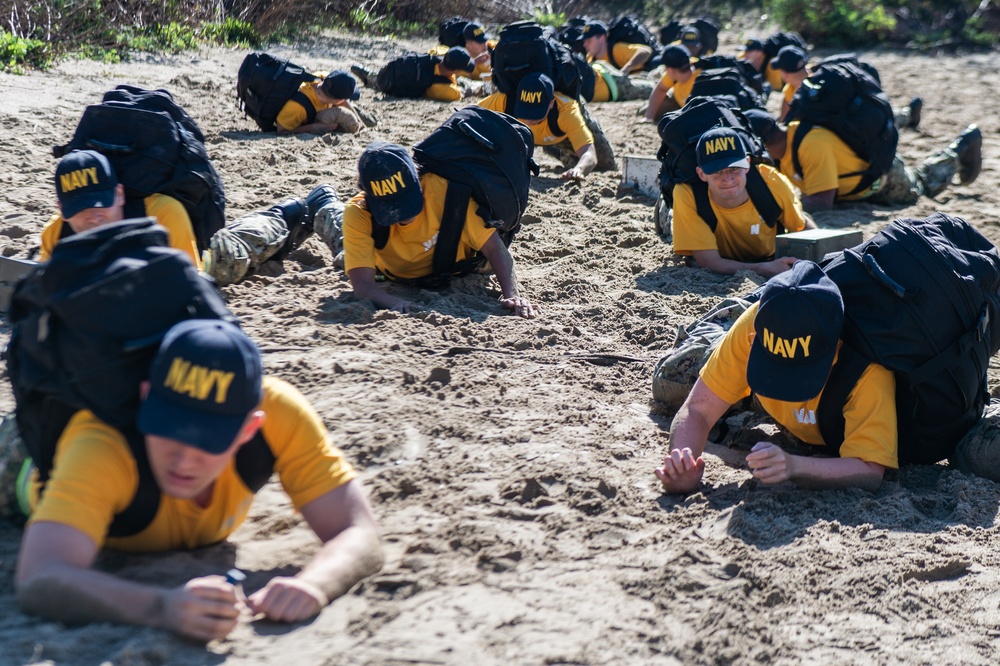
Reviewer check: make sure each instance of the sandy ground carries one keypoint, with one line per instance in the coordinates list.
(510, 461)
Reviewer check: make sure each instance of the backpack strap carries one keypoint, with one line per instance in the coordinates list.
(843, 377)
(306, 103)
(254, 464)
(760, 194)
(456, 204)
(868, 177)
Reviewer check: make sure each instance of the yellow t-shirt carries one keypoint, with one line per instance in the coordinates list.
(443, 92)
(293, 114)
(602, 93)
(620, 53)
(571, 121)
(409, 253)
(788, 92)
(681, 90)
(824, 157)
(773, 76)
(94, 478)
(169, 213)
(869, 415)
(740, 234)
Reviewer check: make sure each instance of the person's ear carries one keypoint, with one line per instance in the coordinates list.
(143, 389)
(701, 174)
(250, 427)
(119, 195)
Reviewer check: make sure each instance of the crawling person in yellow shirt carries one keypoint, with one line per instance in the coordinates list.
(411, 207)
(327, 106)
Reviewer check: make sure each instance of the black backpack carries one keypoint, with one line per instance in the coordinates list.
(707, 27)
(844, 99)
(749, 74)
(680, 131)
(85, 328)
(629, 29)
(779, 40)
(851, 58)
(409, 76)
(524, 48)
(265, 84)
(155, 147)
(727, 81)
(451, 31)
(570, 33)
(922, 299)
(484, 155)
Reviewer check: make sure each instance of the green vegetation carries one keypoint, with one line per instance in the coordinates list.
(554, 19)
(16, 53)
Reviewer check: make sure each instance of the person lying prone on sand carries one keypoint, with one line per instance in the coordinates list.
(783, 349)
(206, 409)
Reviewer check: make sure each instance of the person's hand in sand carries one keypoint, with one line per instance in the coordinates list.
(681, 471)
(204, 608)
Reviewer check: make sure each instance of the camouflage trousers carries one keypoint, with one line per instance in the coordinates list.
(903, 185)
(563, 151)
(242, 246)
(345, 120)
(979, 451)
(622, 86)
(676, 373)
(328, 223)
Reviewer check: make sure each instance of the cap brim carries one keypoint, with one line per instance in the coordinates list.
(356, 95)
(70, 206)
(789, 383)
(389, 211)
(716, 166)
(212, 433)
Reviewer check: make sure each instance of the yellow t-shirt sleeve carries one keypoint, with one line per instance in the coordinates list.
(870, 431)
(307, 465)
(624, 52)
(725, 373)
(171, 213)
(788, 92)
(93, 478)
(819, 164)
(444, 92)
(50, 236)
(691, 233)
(292, 115)
(359, 246)
(792, 217)
(495, 102)
(572, 123)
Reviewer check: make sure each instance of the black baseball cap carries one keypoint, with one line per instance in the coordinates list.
(676, 57)
(338, 84)
(790, 59)
(473, 32)
(458, 59)
(390, 183)
(796, 334)
(593, 29)
(85, 179)
(762, 123)
(534, 96)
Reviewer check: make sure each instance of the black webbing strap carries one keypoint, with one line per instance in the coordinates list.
(301, 98)
(843, 377)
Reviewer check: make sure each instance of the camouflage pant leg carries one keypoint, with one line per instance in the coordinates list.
(676, 373)
(329, 225)
(242, 246)
(605, 153)
(14, 465)
(936, 171)
(900, 185)
(345, 119)
(631, 87)
(663, 218)
(979, 451)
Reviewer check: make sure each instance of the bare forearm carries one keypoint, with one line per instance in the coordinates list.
(819, 473)
(689, 430)
(77, 596)
(503, 265)
(346, 559)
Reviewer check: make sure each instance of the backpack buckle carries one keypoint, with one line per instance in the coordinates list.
(983, 324)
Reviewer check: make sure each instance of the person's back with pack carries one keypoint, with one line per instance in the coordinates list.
(265, 83)
(922, 299)
(727, 81)
(409, 76)
(524, 48)
(629, 29)
(155, 148)
(845, 99)
(86, 324)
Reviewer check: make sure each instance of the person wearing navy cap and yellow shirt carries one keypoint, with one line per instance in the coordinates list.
(90, 196)
(753, 53)
(205, 400)
(412, 206)
(476, 43)
(331, 99)
(628, 58)
(782, 349)
(831, 170)
(741, 239)
(675, 85)
(539, 106)
(454, 62)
